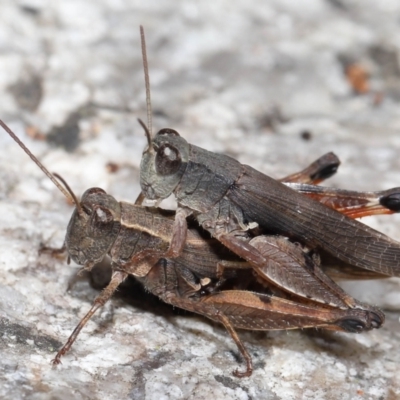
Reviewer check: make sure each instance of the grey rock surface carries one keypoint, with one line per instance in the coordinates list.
(251, 79)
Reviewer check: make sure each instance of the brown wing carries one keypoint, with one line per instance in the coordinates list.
(280, 209)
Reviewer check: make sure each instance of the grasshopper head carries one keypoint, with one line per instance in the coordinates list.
(164, 161)
(93, 227)
(163, 164)
(95, 223)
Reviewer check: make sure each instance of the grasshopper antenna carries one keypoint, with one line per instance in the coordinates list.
(149, 128)
(146, 131)
(67, 192)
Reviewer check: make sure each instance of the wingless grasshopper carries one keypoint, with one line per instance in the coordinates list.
(228, 198)
(206, 278)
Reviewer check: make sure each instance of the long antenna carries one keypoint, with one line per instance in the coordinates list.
(38, 163)
(70, 191)
(146, 80)
(147, 133)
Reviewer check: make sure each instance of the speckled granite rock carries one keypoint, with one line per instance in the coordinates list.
(245, 78)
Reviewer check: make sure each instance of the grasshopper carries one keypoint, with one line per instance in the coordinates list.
(228, 198)
(206, 278)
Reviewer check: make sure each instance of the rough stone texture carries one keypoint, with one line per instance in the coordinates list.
(246, 78)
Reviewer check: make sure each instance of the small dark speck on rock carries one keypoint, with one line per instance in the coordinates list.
(272, 118)
(227, 381)
(112, 167)
(28, 92)
(337, 4)
(159, 113)
(156, 360)
(30, 10)
(387, 60)
(67, 135)
(23, 334)
(306, 135)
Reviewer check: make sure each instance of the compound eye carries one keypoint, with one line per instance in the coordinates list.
(168, 159)
(89, 198)
(101, 221)
(94, 190)
(168, 131)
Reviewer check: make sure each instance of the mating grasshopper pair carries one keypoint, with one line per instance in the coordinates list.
(273, 279)
(208, 279)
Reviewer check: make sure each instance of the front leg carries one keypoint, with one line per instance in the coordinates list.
(179, 233)
(117, 278)
(139, 200)
(56, 252)
(179, 230)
